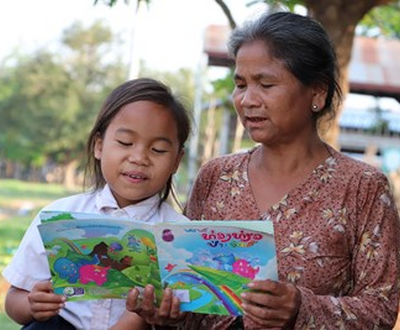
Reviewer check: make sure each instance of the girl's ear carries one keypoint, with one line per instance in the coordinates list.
(98, 147)
(178, 160)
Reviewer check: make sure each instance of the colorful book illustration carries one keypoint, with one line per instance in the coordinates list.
(206, 263)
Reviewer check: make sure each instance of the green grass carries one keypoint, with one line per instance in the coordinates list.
(12, 191)
(15, 217)
(12, 229)
(7, 323)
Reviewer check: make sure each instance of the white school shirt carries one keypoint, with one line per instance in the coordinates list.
(29, 264)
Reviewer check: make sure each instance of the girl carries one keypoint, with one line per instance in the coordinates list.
(133, 150)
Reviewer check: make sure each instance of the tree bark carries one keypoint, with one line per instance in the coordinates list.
(238, 135)
(227, 12)
(210, 133)
(70, 174)
(340, 18)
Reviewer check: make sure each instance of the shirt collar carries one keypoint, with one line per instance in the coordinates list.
(143, 211)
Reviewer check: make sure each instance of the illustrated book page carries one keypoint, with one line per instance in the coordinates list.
(206, 263)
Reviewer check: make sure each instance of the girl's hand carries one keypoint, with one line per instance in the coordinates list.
(271, 304)
(43, 302)
(167, 314)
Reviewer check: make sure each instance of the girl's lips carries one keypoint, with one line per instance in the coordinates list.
(135, 176)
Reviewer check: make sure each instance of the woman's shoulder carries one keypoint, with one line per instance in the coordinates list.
(347, 165)
(227, 162)
(354, 164)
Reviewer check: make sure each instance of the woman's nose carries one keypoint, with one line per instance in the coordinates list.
(249, 98)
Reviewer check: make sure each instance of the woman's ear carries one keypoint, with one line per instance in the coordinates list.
(98, 147)
(319, 98)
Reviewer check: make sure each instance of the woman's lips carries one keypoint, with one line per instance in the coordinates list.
(255, 119)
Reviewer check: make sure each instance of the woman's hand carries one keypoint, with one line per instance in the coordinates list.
(271, 304)
(167, 314)
(43, 302)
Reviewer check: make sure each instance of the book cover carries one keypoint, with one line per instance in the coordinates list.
(206, 263)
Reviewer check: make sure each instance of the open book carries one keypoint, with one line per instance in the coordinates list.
(206, 263)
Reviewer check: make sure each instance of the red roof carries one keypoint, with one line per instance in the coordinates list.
(374, 67)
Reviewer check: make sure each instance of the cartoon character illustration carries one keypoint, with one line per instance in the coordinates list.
(102, 251)
(243, 268)
(52, 252)
(133, 243)
(114, 247)
(225, 261)
(68, 269)
(170, 267)
(93, 273)
(167, 235)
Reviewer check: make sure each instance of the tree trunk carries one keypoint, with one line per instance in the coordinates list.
(340, 18)
(70, 174)
(210, 133)
(238, 135)
(9, 169)
(224, 133)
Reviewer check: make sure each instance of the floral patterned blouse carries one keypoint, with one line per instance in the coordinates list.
(337, 237)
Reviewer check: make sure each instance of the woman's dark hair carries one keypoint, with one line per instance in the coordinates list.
(303, 45)
(141, 89)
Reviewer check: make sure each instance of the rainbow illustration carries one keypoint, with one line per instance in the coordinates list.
(235, 299)
(225, 295)
(71, 244)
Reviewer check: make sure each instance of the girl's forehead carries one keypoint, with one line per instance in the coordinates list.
(146, 118)
(144, 109)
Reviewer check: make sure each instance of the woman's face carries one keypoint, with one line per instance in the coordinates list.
(273, 106)
(139, 151)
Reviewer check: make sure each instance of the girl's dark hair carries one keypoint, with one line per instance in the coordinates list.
(141, 89)
(303, 45)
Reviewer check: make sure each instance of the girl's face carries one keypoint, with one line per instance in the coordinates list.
(139, 151)
(273, 106)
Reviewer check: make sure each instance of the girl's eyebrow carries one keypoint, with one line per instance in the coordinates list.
(124, 130)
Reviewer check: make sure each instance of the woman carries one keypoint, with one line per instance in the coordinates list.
(335, 221)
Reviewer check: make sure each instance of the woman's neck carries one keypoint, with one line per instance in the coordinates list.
(274, 172)
(292, 159)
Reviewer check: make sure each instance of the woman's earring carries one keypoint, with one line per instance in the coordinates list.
(314, 107)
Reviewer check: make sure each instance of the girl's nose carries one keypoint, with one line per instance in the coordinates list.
(139, 156)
